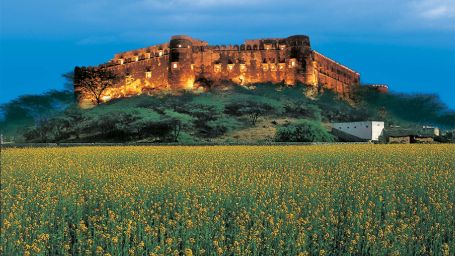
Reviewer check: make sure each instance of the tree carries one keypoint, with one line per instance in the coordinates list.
(26, 111)
(251, 108)
(94, 81)
(69, 81)
(178, 121)
(41, 132)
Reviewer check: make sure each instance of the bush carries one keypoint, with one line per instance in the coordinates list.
(303, 131)
(221, 126)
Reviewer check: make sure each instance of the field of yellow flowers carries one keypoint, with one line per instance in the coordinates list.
(229, 200)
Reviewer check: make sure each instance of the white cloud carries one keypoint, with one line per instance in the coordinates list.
(360, 18)
(435, 9)
(194, 4)
(435, 13)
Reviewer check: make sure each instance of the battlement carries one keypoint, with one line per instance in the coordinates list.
(382, 88)
(186, 63)
(201, 46)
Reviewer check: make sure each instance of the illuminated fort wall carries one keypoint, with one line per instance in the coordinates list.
(185, 63)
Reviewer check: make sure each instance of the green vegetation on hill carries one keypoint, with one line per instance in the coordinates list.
(266, 112)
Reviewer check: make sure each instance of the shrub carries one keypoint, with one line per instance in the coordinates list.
(303, 131)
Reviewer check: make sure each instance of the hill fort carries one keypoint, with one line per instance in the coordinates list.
(185, 63)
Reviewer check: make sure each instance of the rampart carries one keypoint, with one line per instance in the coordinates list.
(185, 63)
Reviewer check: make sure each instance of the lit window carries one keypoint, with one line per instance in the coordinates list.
(160, 53)
(230, 67)
(120, 61)
(136, 58)
(148, 74)
(180, 46)
(217, 68)
(174, 65)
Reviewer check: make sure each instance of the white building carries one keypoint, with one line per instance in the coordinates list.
(366, 130)
(431, 130)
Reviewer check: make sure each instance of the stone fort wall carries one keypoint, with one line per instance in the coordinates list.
(185, 63)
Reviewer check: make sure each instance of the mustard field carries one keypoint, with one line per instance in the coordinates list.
(229, 200)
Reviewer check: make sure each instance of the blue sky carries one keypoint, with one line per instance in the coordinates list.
(408, 44)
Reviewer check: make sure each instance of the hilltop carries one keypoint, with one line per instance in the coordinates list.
(260, 113)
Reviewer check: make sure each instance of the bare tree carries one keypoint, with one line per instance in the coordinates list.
(94, 81)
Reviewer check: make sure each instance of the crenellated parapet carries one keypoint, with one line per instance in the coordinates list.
(185, 63)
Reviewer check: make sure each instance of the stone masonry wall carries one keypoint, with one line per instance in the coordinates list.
(187, 64)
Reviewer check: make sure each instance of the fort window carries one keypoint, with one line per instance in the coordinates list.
(217, 68)
(242, 67)
(272, 67)
(147, 55)
(136, 58)
(293, 63)
(282, 46)
(148, 74)
(128, 79)
(265, 67)
(267, 46)
(121, 61)
(282, 66)
(180, 46)
(174, 65)
(230, 67)
(160, 53)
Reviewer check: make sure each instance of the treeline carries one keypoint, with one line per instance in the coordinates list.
(189, 118)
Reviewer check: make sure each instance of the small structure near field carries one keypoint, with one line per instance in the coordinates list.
(358, 131)
(399, 139)
(423, 134)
